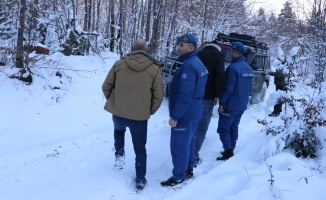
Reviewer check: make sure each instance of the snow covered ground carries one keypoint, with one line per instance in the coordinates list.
(58, 144)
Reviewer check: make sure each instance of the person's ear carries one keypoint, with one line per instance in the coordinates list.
(193, 48)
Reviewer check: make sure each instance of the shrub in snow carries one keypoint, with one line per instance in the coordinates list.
(305, 111)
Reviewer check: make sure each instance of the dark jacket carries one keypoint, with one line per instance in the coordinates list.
(279, 77)
(238, 85)
(134, 87)
(213, 60)
(187, 88)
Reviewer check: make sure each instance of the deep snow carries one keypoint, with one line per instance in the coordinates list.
(58, 144)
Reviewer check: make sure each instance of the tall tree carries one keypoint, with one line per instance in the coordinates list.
(287, 27)
(112, 25)
(286, 12)
(157, 6)
(317, 38)
(172, 24)
(148, 20)
(86, 15)
(20, 35)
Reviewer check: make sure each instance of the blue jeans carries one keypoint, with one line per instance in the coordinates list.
(138, 130)
(228, 128)
(182, 146)
(203, 124)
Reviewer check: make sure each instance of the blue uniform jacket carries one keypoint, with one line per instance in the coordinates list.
(238, 85)
(188, 88)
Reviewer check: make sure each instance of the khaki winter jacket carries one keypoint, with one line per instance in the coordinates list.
(134, 87)
(279, 77)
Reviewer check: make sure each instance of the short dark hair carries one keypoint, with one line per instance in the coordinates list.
(194, 44)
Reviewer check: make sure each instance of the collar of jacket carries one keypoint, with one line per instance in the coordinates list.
(156, 62)
(139, 52)
(240, 58)
(186, 56)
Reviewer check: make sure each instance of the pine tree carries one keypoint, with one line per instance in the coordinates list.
(287, 27)
(286, 12)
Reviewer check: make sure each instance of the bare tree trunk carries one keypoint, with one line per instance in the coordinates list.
(35, 14)
(73, 14)
(93, 17)
(120, 31)
(86, 16)
(112, 24)
(108, 20)
(134, 22)
(204, 22)
(76, 11)
(140, 20)
(142, 24)
(156, 24)
(90, 8)
(149, 16)
(172, 24)
(98, 14)
(20, 36)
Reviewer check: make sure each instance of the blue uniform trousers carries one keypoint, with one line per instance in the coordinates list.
(138, 130)
(182, 146)
(228, 128)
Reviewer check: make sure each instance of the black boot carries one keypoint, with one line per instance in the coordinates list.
(189, 173)
(223, 152)
(197, 161)
(228, 153)
(274, 114)
(171, 182)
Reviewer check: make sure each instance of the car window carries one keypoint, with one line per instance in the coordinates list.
(259, 63)
(226, 50)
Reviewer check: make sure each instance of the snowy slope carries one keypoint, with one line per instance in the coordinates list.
(58, 144)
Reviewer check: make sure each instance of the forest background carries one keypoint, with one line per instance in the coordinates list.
(31, 30)
(81, 26)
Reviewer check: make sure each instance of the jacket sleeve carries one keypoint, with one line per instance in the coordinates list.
(187, 85)
(109, 83)
(278, 73)
(231, 80)
(157, 92)
(219, 76)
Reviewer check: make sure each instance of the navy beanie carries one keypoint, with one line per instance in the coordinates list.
(187, 38)
(239, 46)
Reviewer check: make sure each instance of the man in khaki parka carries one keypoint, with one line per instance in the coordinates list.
(134, 91)
(280, 84)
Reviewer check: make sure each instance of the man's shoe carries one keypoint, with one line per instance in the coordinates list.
(226, 154)
(223, 152)
(171, 182)
(140, 184)
(189, 173)
(273, 115)
(197, 161)
(119, 162)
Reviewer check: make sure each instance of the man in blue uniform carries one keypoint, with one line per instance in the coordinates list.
(185, 108)
(234, 99)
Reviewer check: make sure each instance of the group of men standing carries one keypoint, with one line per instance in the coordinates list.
(134, 91)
